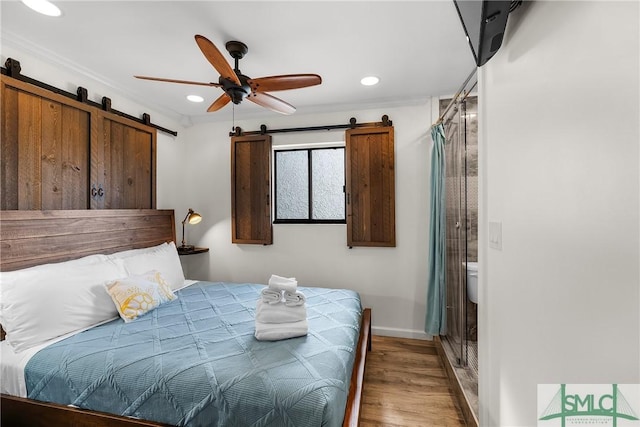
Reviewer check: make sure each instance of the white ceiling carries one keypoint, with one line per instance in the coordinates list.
(417, 48)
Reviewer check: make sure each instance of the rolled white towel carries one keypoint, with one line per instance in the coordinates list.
(279, 313)
(294, 299)
(283, 283)
(280, 331)
(271, 296)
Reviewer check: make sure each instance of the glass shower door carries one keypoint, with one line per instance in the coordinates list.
(456, 234)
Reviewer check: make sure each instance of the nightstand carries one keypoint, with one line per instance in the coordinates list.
(193, 251)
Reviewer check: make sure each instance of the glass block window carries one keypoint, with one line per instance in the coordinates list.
(309, 185)
(292, 184)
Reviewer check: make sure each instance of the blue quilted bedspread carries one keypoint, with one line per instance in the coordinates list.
(195, 362)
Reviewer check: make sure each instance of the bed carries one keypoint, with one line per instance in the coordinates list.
(36, 237)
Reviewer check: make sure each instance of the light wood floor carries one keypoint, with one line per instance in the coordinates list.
(406, 385)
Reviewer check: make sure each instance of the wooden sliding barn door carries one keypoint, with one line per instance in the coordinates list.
(45, 149)
(59, 153)
(251, 190)
(123, 164)
(370, 177)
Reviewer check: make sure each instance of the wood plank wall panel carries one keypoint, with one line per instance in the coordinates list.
(129, 167)
(76, 134)
(29, 151)
(100, 160)
(370, 187)
(30, 238)
(251, 190)
(143, 170)
(9, 147)
(114, 180)
(242, 201)
(51, 141)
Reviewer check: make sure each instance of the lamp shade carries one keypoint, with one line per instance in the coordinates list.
(194, 217)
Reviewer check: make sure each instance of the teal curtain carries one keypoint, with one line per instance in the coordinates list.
(436, 319)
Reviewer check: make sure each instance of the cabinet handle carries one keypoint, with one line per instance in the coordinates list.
(97, 193)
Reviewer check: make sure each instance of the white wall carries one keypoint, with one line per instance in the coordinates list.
(559, 161)
(390, 280)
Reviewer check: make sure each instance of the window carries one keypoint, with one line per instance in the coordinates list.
(309, 186)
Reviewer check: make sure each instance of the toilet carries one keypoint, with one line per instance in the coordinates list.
(472, 281)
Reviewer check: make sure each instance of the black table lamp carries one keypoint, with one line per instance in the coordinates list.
(192, 218)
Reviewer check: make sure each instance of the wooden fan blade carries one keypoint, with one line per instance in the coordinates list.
(219, 103)
(271, 102)
(286, 82)
(186, 82)
(216, 59)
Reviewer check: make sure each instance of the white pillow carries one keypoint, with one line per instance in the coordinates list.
(164, 258)
(8, 278)
(37, 305)
(134, 296)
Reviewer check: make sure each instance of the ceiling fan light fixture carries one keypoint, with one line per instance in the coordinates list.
(369, 80)
(236, 86)
(43, 6)
(195, 98)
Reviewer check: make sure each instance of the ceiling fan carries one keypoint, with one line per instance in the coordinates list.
(237, 86)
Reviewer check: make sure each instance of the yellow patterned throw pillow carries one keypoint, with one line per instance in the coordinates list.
(139, 294)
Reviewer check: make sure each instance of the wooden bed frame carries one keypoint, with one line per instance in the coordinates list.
(29, 238)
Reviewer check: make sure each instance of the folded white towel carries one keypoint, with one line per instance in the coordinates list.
(271, 296)
(280, 331)
(283, 283)
(279, 313)
(294, 299)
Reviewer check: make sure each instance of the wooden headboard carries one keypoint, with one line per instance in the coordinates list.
(29, 238)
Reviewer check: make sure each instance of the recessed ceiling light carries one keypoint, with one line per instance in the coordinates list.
(195, 98)
(370, 80)
(43, 6)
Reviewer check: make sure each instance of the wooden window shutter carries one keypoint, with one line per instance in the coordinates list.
(370, 188)
(251, 189)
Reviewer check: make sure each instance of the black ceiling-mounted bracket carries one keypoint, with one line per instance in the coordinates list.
(106, 104)
(82, 94)
(13, 68)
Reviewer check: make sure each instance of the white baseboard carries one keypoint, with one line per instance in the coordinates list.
(400, 333)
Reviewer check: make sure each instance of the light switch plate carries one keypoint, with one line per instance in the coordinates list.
(495, 235)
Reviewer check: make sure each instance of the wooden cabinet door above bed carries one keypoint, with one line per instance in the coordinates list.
(123, 164)
(59, 153)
